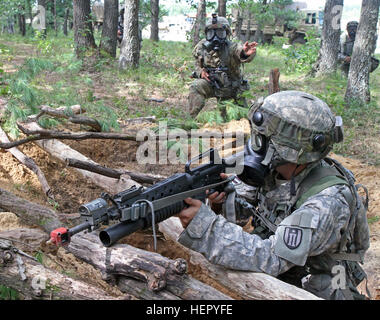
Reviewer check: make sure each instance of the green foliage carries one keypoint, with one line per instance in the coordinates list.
(7, 293)
(105, 115)
(301, 57)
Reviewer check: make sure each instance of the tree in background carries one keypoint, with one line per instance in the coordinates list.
(130, 46)
(358, 76)
(200, 21)
(155, 13)
(266, 13)
(222, 8)
(108, 41)
(83, 34)
(327, 61)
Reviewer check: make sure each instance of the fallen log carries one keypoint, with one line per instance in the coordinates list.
(29, 163)
(113, 173)
(123, 260)
(29, 212)
(158, 272)
(247, 285)
(62, 151)
(34, 281)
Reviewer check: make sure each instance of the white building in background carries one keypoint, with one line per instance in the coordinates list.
(172, 28)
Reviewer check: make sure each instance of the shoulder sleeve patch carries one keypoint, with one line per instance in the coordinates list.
(293, 244)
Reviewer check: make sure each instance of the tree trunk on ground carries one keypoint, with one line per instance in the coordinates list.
(159, 273)
(30, 213)
(83, 34)
(246, 285)
(358, 78)
(222, 8)
(130, 45)
(67, 11)
(155, 9)
(327, 61)
(200, 22)
(109, 29)
(34, 281)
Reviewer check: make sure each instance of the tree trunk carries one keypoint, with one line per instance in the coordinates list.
(67, 11)
(155, 9)
(239, 23)
(109, 30)
(29, 12)
(158, 272)
(246, 285)
(200, 21)
(248, 31)
(328, 53)
(130, 45)
(30, 213)
(222, 8)
(358, 78)
(34, 281)
(21, 24)
(83, 35)
(274, 81)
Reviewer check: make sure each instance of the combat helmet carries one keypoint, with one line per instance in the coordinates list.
(218, 23)
(293, 126)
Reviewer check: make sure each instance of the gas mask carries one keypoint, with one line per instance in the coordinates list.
(352, 33)
(215, 39)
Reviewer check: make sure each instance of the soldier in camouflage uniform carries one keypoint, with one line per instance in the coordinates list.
(218, 63)
(307, 215)
(347, 46)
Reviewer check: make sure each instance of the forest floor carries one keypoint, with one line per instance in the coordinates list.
(163, 75)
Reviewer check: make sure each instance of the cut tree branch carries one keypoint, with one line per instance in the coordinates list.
(113, 173)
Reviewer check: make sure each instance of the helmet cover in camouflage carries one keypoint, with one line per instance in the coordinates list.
(295, 122)
(222, 23)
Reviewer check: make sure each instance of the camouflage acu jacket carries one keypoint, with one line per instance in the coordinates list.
(300, 237)
(231, 57)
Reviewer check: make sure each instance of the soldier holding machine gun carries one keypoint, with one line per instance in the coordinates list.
(218, 63)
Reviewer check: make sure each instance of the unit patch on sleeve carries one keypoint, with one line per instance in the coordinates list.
(292, 237)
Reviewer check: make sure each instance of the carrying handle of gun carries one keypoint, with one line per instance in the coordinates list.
(212, 154)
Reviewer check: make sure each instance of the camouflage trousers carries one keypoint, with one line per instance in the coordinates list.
(201, 90)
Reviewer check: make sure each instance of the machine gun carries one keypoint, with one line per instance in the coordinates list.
(213, 75)
(139, 208)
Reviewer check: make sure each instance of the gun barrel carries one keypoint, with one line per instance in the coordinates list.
(114, 233)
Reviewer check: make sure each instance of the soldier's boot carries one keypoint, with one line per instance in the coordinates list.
(196, 103)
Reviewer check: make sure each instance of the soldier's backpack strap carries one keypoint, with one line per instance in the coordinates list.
(319, 179)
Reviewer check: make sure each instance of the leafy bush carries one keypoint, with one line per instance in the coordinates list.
(301, 57)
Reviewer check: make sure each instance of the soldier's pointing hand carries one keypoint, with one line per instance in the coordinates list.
(250, 48)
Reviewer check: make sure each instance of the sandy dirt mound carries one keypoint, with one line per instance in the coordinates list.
(9, 221)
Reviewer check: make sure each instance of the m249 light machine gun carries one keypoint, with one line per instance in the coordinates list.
(139, 208)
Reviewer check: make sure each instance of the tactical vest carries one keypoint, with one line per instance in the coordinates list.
(319, 179)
